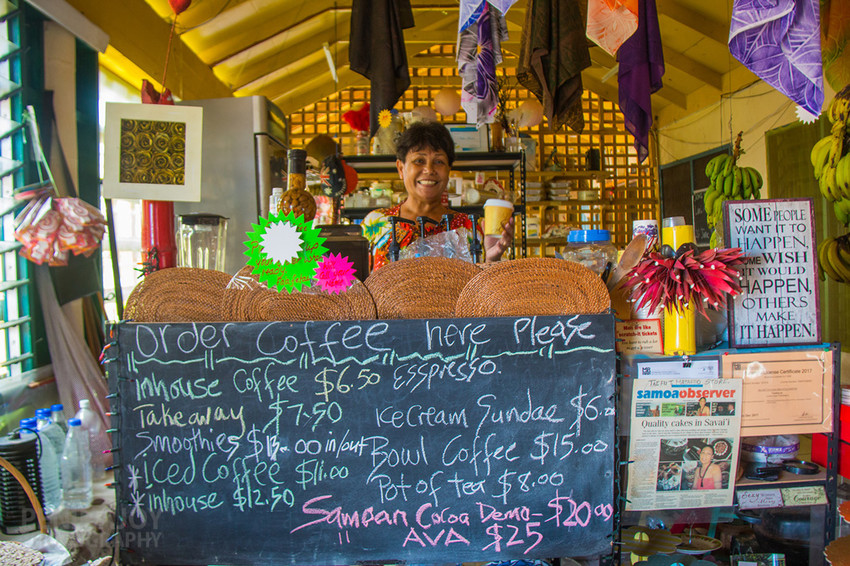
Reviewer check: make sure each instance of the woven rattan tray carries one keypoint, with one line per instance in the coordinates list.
(245, 299)
(533, 286)
(177, 294)
(422, 287)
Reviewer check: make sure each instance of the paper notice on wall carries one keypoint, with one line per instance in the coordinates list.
(704, 367)
(639, 337)
(684, 443)
(784, 392)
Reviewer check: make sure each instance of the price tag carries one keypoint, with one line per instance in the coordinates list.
(807, 495)
(759, 499)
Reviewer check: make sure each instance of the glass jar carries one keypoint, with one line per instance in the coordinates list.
(591, 248)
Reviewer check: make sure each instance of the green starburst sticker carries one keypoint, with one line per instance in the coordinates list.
(284, 251)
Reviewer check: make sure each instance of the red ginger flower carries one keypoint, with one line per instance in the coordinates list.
(674, 282)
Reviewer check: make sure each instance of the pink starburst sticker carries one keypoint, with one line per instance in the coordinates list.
(334, 273)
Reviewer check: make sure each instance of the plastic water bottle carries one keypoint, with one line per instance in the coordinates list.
(76, 468)
(57, 412)
(91, 423)
(51, 430)
(48, 464)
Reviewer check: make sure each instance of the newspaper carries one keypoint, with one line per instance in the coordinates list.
(684, 443)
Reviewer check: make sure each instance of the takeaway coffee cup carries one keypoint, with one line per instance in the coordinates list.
(648, 228)
(496, 213)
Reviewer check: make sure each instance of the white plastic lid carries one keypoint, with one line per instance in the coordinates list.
(499, 202)
(84, 403)
(671, 221)
(277, 190)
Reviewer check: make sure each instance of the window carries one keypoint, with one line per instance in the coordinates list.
(683, 185)
(127, 213)
(15, 329)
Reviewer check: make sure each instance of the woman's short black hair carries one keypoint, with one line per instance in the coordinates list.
(420, 135)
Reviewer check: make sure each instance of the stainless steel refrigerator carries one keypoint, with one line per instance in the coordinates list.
(243, 156)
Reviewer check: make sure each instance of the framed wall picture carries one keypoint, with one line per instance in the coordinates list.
(152, 151)
(779, 305)
(469, 137)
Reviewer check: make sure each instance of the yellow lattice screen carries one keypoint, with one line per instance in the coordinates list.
(626, 192)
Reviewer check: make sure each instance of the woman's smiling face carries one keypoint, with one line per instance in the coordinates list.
(425, 172)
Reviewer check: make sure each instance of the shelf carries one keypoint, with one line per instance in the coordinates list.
(469, 161)
(786, 479)
(574, 202)
(531, 203)
(546, 241)
(569, 174)
(360, 213)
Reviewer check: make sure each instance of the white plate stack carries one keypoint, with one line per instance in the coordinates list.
(845, 394)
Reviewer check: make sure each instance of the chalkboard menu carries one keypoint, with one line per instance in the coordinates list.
(335, 442)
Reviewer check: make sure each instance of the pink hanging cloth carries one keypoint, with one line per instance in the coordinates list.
(611, 22)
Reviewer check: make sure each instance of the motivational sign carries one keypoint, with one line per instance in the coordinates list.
(759, 498)
(779, 303)
(804, 496)
(335, 442)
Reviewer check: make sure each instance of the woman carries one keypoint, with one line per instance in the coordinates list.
(703, 410)
(424, 156)
(708, 475)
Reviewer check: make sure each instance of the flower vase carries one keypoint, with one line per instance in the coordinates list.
(680, 331)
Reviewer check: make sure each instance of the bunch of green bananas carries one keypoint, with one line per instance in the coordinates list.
(834, 259)
(728, 182)
(830, 159)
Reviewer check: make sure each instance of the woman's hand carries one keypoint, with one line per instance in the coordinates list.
(495, 246)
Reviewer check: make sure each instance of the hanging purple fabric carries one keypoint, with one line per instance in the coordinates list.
(779, 41)
(641, 68)
(471, 10)
(486, 87)
(479, 51)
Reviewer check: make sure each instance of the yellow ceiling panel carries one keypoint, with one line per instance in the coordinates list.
(274, 47)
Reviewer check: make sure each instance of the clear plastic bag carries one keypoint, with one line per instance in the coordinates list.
(454, 243)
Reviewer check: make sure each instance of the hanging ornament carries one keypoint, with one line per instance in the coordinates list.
(179, 6)
(529, 113)
(284, 251)
(447, 101)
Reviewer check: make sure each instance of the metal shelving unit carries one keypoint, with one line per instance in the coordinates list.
(826, 477)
